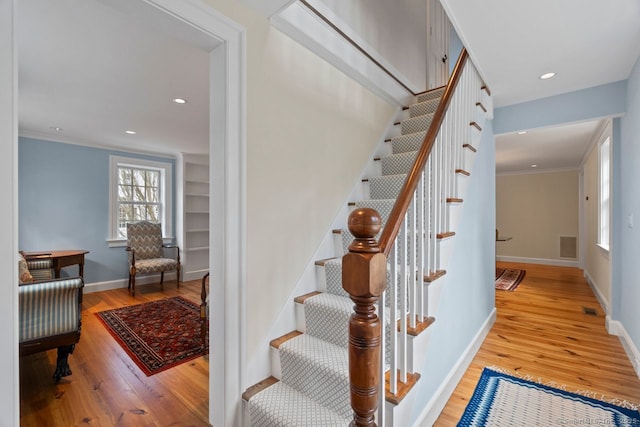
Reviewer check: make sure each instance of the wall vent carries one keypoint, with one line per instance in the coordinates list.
(568, 247)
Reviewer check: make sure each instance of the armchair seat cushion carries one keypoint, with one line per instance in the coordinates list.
(155, 265)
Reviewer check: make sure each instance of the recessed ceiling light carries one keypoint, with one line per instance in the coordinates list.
(546, 76)
(130, 132)
(56, 128)
(534, 166)
(522, 132)
(179, 101)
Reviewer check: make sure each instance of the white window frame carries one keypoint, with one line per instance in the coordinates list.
(166, 197)
(604, 193)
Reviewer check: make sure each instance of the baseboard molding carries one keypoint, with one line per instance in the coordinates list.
(596, 291)
(615, 327)
(123, 283)
(543, 261)
(440, 398)
(194, 275)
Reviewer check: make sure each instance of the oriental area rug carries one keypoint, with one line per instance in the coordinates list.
(508, 279)
(157, 335)
(503, 400)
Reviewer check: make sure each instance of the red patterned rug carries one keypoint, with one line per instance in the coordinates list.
(157, 335)
(508, 279)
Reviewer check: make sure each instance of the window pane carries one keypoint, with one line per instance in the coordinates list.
(139, 194)
(124, 175)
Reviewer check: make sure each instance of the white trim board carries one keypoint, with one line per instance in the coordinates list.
(543, 261)
(434, 407)
(227, 145)
(616, 327)
(596, 291)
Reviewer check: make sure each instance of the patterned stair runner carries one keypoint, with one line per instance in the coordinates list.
(314, 388)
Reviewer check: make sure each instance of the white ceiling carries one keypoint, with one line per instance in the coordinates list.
(94, 69)
(585, 42)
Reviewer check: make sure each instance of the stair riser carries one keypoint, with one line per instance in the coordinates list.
(428, 107)
(386, 187)
(430, 95)
(416, 124)
(318, 370)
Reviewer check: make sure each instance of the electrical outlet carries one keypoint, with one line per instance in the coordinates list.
(630, 220)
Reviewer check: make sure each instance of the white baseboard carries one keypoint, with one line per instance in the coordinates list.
(440, 398)
(194, 275)
(596, 291)
(615, 327)
(543, 261)
(123, 283)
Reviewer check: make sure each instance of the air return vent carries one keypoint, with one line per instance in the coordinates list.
(568, 247)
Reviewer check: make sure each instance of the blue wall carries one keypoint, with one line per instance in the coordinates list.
(63, 194)
(586, 104)
(468, 293)
(628, 249)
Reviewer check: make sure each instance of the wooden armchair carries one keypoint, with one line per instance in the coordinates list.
(50, 316)
(146, 253)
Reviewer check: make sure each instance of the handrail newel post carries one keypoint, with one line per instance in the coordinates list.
(364, 279)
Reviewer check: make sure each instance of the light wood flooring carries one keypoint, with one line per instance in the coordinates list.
(106, 387)
(541, 331)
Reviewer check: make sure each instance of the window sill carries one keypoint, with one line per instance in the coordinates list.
(604, 249)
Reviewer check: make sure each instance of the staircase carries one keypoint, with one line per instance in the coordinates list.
(310, 382)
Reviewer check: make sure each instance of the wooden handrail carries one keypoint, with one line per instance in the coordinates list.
(396, 217)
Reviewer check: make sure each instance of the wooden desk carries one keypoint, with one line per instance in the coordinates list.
(61, 259)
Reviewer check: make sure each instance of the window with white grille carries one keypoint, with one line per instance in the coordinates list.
(139, 190)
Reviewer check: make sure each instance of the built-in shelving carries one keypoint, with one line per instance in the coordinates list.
(194, 235)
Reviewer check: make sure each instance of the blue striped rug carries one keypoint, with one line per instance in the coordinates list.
(504, 400)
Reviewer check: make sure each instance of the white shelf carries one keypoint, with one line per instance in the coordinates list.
(195, 212)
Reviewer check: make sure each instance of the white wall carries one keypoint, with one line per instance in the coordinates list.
(310, 132)
(9, 410)
(394, 32)
(535, 210)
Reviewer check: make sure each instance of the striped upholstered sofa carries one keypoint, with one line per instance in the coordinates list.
(50, 317)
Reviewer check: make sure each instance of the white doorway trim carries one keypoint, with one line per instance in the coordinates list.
(228, 203)
(227, 257)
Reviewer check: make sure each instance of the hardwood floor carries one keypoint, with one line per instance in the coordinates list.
(542, 331)
(106, 387)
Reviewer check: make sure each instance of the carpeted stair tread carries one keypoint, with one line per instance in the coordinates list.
(327, 317)
(333, 276)
(435, 93)
(416, 124)
(284, 406)
(422, 108)
(407, 143)
(386, 186)
(398, 163)
(318, 369)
